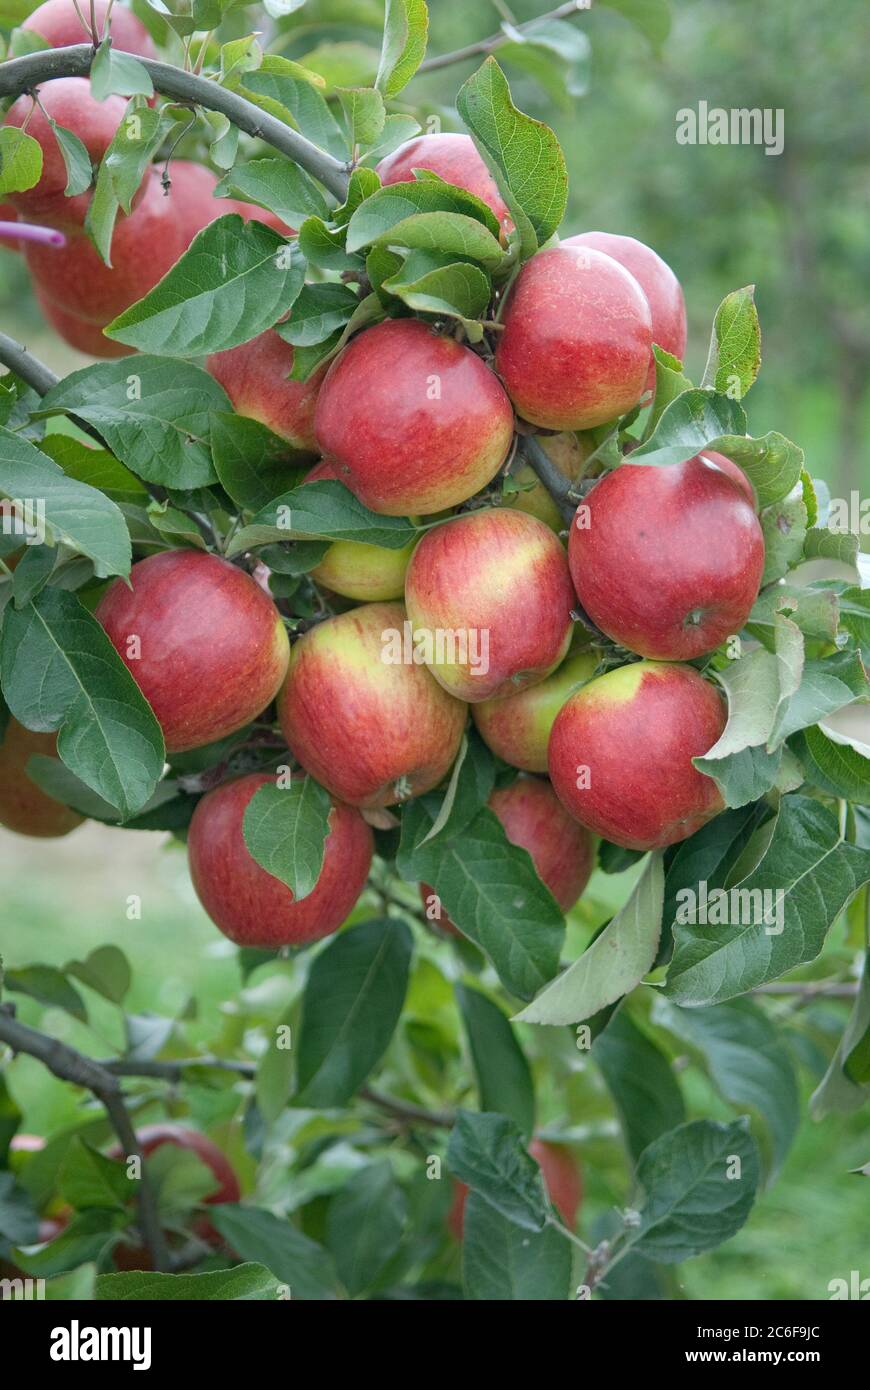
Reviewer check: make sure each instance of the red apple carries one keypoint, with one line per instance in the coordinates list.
(491, 594)
(127, 1256)
(191, 197)
(373, 727)
(25, 807)
(416, 421)
(517, 728)
(68, 101)
(667, 561)
(577, 339)
(455, 159)
(658, 282)
(60, 25)
(734, 471)
(249, 905)
(78, 333)
(563, 1180)
(256, 376)
(205, 644)
(621, 754)
(562, 851)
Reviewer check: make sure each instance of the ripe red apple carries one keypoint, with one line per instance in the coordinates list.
(734, 471)
(577, 339)
(621, 754)
(68, 101)
(492, 591)
(658, 282)
(25, 807)
(368, 573)
(212, 649)
(455, 159)
(416, 421)
(128, 1256)
(256, 376)
(371, 726)
(563, 1179)
(248, 904)
(562, 851)
(667, 561)
(59, 24)
(517, 727)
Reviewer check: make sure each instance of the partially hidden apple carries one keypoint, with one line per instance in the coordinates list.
(251, 906)
(489, 597)
(129, 1256)
(60, 23)
(204, 643)
(667, 561)
(368, 573)
(362, 715)
(563, 1179)
(455, 159)
(517, 727)
(24, 806)
(569, 453)
(562, 851)
(256, 377)
(414, 421)
(659, 283)
(577, 339)
(621, 750)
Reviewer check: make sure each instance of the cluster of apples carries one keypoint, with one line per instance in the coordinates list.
(666, 562)
(79, 294)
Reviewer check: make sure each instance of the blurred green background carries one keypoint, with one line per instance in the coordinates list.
(795, 225)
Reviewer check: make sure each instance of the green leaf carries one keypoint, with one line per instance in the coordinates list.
(639, 1077)
(274, 1084)
(809, 873)
(432, 284)
(88, 1179)
(176, 525)
(326, 510)
(288, 91)
(504, 1080)
(555, 54)
(364, 1225)
(19, 1220)
(748, 1061)
(502, 1261)
(275, 184)
(523, 154)
(234, 280)
(613, 964)
(106, 970)
(853, 605)
(471, 781)
(488, 1154)
(364, 114)
(76, 159)
(350, 1009)
(134, 144)
(700, 1182)
(294, 1259)
(252, 464)
(835, 767)
(285, 830)
(318, 312)
(397, 129)
(49, 986)
(384, 216)
(831, 545)
(652, 17)
(243, 1283)
(735, 346)
(490, 890)
(20, 160)
(701, 419)
(785, 528)
(118, 73)
(324, 247)
(32, 573)
(846, 1083)
(154, 414)
(671, 382)
(75, 682)
(406, 27)
(814, 611)
(86, 1238)
(73, 513)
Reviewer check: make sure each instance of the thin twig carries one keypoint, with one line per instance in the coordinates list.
(174, 1070)
(23, 74)
(404, 1110)
(69, 1065)
(811, 989)
(484, 47)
